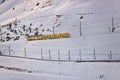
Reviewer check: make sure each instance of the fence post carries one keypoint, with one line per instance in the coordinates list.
(110, 54)
(9, 51)
(49, 55)
(69, 55)
(94, 54)
(41, 54)
(80, 55)
(59, 55)
(25, 51)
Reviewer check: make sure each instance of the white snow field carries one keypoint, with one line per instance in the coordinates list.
(49, 70)
(94, 28)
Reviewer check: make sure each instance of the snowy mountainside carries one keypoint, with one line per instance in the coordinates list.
(94, 27)
(26, 17)
(2, 1)
(19, 8)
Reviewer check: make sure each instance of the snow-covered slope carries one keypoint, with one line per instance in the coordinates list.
(2, 1)
(57, 70)
(94, 27)
(95, 17)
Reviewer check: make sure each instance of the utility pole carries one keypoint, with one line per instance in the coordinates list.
(1, 33)
(113, 28)
(80, 29)
(112, 23)
(81, 26)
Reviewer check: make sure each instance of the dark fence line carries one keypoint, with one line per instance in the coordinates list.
(61, 60)
(66, 57)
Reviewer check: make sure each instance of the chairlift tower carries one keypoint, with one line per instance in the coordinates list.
(80, 24)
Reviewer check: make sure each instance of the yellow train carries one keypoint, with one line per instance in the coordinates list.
(48, 36)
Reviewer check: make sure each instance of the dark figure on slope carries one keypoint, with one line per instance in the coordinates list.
(113, 29)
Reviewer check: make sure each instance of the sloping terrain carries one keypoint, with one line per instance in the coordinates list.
(22, 69)
(98, 20)
(94, 28)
